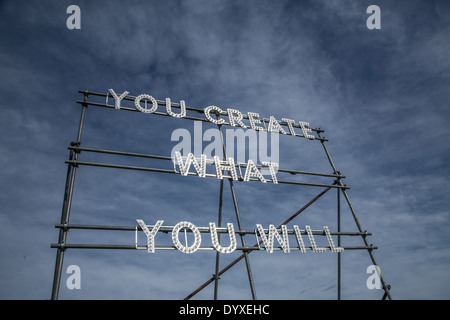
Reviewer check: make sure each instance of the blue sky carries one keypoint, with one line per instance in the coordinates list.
(380, 95)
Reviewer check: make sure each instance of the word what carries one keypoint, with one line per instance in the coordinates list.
(250, 171)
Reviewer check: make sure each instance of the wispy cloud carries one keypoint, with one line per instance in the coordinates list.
(380, 95)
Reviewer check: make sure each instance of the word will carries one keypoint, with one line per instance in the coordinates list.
(267, 237)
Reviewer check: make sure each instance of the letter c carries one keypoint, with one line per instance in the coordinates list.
(208, 116)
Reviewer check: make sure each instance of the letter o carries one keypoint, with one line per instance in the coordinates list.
(176, 241)
(145, 110)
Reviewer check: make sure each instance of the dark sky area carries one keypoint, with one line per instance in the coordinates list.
(381, 95)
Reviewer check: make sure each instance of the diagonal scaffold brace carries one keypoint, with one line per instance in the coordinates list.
(386, 287)
(229, 266)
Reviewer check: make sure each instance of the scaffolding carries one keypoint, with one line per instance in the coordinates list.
(73, 163)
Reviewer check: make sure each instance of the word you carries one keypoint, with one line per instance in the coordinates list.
(235, 116)
(267, 237)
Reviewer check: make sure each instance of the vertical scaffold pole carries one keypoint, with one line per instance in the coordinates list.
(216, 273)
(68, 192)
(386, 287)
(238, 218)
(339, 241)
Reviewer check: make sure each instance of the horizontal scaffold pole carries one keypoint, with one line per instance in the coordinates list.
(127, 167)
(165, 229)
(133, 247)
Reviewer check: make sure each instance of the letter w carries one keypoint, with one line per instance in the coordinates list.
(273, 232)
(184, 167)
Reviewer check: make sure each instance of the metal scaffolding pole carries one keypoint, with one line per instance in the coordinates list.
(339, 243)
(68, 193)
(210, 175)
(219, 223)
(167, 229)
(73, 163)
(150, 156)
(176, 105)
(386, 287)
(238, 218)
(133, 247)
(204, 285)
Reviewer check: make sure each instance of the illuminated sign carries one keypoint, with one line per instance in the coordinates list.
(269, 239)
(146, 103)
(267, 236)
(220, 165)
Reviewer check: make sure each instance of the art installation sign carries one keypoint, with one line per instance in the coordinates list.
(250, 163)
(235, 117)
(146, 103)
(267, 237)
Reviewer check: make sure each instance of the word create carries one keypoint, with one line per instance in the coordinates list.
(250, 171)
(235, 117)
(267, 237)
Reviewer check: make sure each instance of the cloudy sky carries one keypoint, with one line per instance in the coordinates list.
(381, 96)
